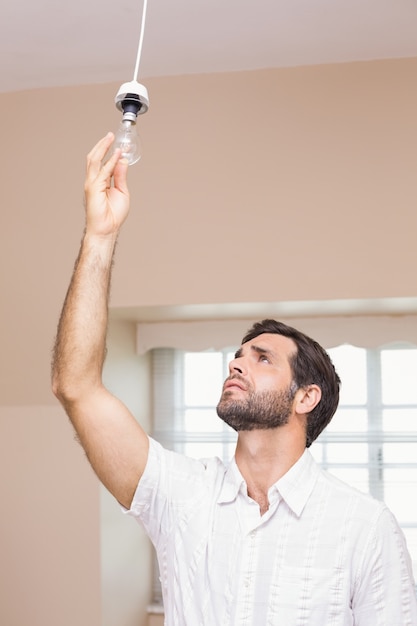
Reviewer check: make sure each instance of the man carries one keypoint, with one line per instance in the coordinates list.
(269, 539)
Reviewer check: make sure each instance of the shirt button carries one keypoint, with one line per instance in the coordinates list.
(247, 582)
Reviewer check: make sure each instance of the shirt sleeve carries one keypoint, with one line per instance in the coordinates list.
(171, 487)
(385, 592)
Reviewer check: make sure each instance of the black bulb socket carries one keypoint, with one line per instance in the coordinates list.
(131, 104)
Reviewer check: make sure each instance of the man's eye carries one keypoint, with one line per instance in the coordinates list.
(264, 358)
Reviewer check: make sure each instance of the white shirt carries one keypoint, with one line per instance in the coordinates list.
(323, 554)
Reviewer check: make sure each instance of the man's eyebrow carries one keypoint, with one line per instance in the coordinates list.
(260, 350)
(257, 349)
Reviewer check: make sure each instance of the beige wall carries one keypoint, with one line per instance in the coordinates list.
(50, 547)
(285, 184)
(290, 184)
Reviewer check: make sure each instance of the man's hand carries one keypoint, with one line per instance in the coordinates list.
(107, 205)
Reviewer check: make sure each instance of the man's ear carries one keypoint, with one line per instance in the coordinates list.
(307, 398)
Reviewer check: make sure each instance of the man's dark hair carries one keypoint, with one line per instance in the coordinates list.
(310, 365)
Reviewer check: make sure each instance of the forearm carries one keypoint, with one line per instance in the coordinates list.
(81, 337)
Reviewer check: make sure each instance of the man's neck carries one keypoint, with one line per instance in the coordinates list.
(263, 457)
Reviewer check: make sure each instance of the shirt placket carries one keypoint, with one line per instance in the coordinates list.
(251, 523)
(246, 588)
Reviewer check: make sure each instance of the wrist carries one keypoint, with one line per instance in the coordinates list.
(99, 246)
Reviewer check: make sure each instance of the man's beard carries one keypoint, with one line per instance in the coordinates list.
(260, 410)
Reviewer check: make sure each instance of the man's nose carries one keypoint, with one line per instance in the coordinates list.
(237, 365)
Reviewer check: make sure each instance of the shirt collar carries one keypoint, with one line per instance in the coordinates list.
(233, 482)
(294, 487)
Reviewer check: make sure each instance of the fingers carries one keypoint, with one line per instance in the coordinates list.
(100, 173)
(97, 154)
(100, 149)
(120, 176)
(105, 189)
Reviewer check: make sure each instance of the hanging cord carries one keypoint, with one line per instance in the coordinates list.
(142, 31)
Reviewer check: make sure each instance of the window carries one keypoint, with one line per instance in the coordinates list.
(371, 443)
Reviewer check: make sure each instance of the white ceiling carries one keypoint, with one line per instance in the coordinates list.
(49, 43)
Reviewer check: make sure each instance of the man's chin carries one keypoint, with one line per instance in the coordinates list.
(237, 423)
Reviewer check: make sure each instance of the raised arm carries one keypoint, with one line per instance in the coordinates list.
(114, 442)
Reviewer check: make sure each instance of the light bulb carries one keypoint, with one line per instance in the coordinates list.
(132, 99)
(127, 139)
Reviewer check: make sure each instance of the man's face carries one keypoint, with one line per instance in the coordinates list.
(259, 391)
